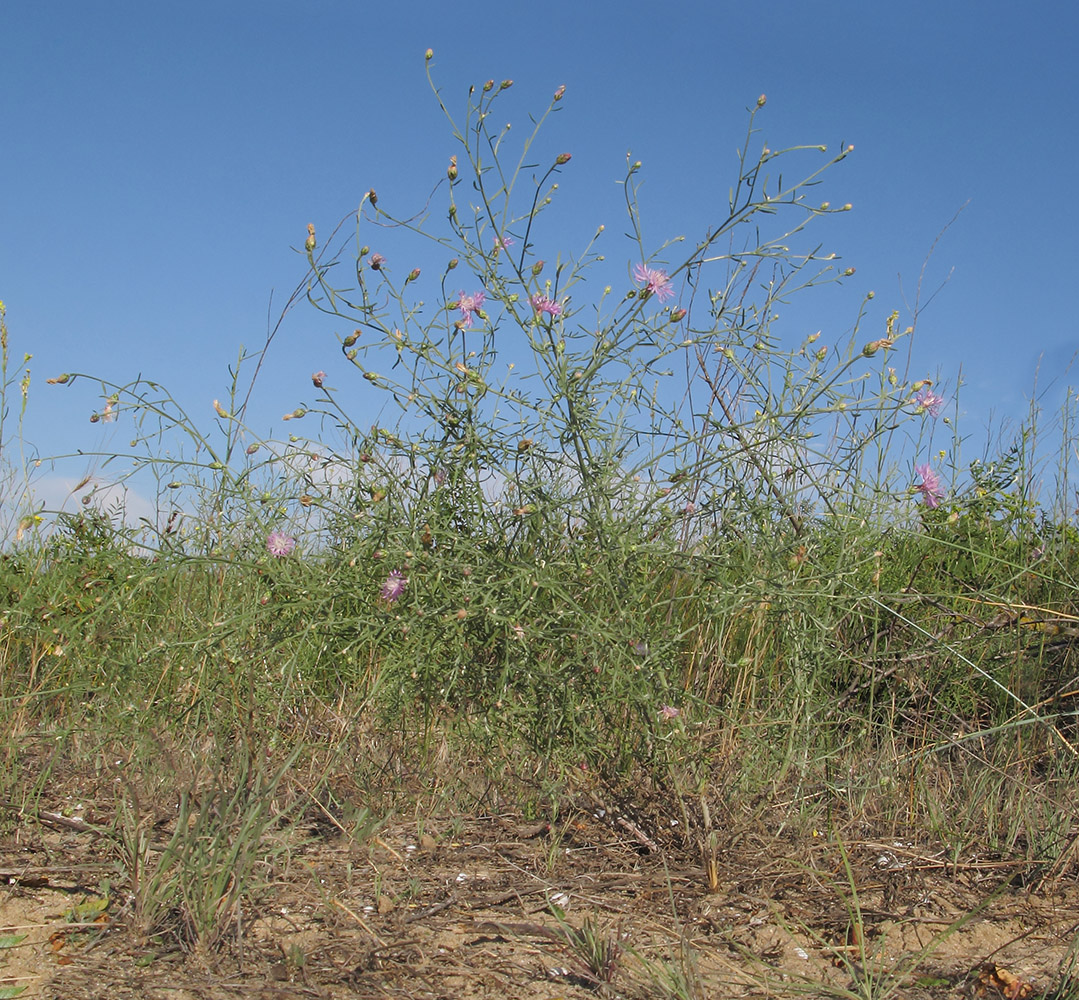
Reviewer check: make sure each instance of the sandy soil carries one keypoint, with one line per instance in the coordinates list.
(493, 906)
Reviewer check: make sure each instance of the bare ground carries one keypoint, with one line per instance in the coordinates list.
(493, 906)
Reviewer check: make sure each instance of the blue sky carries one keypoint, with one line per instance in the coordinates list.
(160, 161)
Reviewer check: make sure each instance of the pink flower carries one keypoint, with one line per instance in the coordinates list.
(317, 379)
(279, 544)
(669, 712)
(655, 281)
(929, 487)
(376, 260)
(470, 304)
(542, 304)
(929, 402)
(394, 586)
(503, 242)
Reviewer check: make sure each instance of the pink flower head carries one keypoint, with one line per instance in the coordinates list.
(317, 379)
(655, 281)
(394, 586)
(279, 544)
(929, 402)
(503, 242)
(669, 712)
(542, 304)
(470, 304)
(929, 487)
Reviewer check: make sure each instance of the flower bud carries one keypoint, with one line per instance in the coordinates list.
(505, 85)
(59, 380)
(372, 197)
(562, 158)
(488, 86)
(560, 93)
(221, 411)
(351, 338)
(317, 379)
(762, 100)
(429, 55)
(452, 264)
(309, 243)
(678, 315)
(413, 274)
(252, 448)
(371, 376)
(537, 267)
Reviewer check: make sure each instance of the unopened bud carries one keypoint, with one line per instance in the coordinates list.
(538, 266)
(429, 55)
(351, 338)
(560, 93)
(762, 100)
(413, 274)
(678, 315)
(221, 411)
(505, 85)
(847, 207)
(372, 197)
(252, 448)
(309, 243)
(451, 171)
(563, 158)
(452, 264)
(488, 86)
(59, 380)
(822, 353)
(848, 272)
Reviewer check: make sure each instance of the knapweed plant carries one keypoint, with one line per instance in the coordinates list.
(598, 510)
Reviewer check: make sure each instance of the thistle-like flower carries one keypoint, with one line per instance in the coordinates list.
(656, 281)
(543, 304)
(929, 402)
(279, 544)
(469, 304)
(393, 586)
(930, 487)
